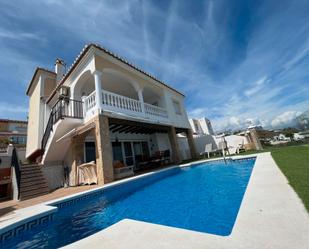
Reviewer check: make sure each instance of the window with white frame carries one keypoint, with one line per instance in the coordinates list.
(177, 107)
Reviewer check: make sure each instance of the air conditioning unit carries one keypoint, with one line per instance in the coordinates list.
(64, 92)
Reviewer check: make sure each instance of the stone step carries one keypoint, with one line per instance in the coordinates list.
(31, 165)
(33, 193)
(23, 168)
(30, 172)
(35, 181)
(32, 181)
(25, 175)
(38, 184)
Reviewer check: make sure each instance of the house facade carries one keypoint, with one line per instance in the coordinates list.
(201, 126)
(102, 109)
(14, 132)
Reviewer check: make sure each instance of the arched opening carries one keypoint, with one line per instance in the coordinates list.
(111, 81)
(118, 83)
(153, 96)
(84, 86)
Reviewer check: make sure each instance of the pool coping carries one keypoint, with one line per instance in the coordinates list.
(23, 219)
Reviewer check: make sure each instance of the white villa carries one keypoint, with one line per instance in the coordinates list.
(106, 110)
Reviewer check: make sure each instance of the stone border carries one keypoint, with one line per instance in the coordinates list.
(25, 219)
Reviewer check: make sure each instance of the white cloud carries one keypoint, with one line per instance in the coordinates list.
(256, 87)
(197, 113)
(7, 34)
(285, 119)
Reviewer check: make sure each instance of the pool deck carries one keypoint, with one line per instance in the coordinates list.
(271, 216)
(10, 207)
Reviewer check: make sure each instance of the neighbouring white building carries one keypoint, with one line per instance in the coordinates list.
(201, 126)
(106, 110)
(205, 140)
(298, 136)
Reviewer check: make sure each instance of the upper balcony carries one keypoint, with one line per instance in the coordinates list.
(114, 92)
(123, 105)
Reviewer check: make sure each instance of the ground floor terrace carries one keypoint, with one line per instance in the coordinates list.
(120, 148)
(271, 216)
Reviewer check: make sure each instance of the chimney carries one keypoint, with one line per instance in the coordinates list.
(59, 69)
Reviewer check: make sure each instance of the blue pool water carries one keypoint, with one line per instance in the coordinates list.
(204, 198)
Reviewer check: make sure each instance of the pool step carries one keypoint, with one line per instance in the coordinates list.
(32, 181)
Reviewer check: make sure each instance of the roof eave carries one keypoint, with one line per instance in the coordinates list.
(34, 75)
(83, 53)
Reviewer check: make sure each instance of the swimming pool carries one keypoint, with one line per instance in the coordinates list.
(204, 198)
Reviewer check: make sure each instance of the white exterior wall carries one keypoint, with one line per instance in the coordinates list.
(174, 119)
(6, 157)
(234, 141)
(54, 175)
(21, 153)
(185, 153)
(206, 126)
(163, 141)
(35, 119)
(201, 126)
(201, 141)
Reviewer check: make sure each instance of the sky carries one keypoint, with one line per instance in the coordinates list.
(238, 62)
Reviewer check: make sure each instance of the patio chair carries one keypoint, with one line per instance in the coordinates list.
(208, 150)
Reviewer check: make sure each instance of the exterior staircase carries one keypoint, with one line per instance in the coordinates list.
(32, 181)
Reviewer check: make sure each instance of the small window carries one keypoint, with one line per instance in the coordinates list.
(177, 107)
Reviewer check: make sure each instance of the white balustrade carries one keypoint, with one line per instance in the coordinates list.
(118, 103)
(155, 110)
(90, 102)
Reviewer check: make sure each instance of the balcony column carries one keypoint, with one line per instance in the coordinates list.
(174, 145)
(141, 99)
(191, 144)
(98, 89)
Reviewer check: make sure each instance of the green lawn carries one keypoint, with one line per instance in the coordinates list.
(294, 163)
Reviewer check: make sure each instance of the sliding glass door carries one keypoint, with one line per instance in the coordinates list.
(128, 153)
(117, 151)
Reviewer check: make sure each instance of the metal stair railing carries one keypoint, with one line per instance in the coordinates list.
(63, 108)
